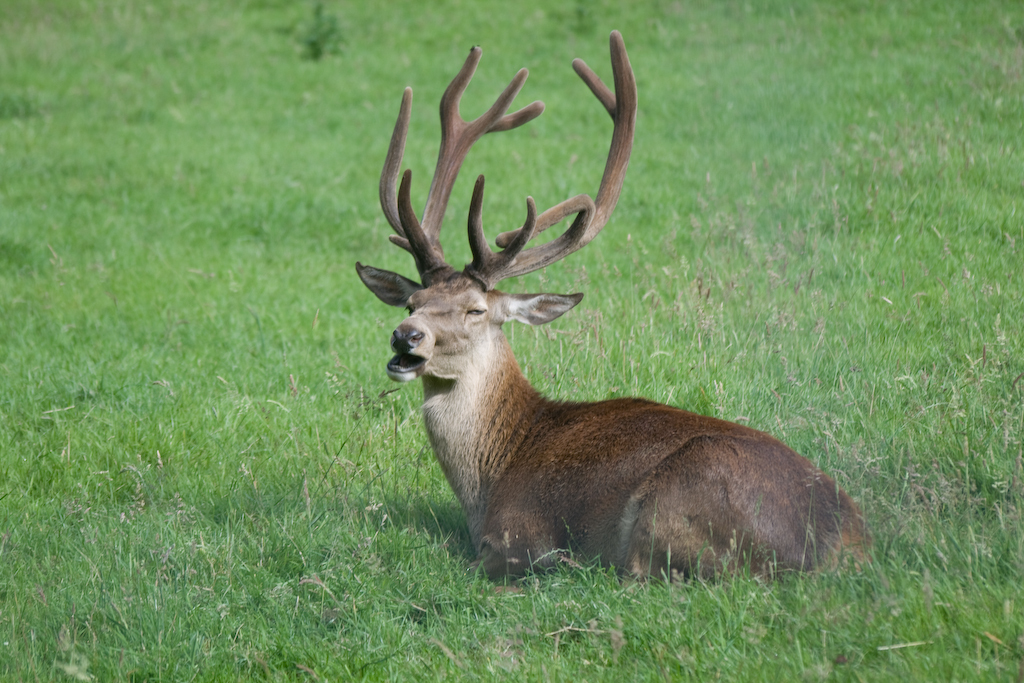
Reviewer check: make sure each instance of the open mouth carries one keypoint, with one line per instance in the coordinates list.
(405, 366)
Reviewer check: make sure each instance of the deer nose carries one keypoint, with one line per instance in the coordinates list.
(404, 341)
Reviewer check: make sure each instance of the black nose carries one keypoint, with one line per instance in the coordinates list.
(404, 341)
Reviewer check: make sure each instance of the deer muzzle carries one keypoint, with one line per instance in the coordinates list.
(413, 347)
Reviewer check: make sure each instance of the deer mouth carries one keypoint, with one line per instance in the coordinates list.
(405, 367)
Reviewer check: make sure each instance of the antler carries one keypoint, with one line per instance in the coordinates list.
(421, 239)
(490, 268)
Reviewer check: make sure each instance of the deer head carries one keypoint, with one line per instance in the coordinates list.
(456, 316)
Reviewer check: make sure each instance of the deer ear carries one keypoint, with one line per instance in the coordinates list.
(537, 309)
(391, 288)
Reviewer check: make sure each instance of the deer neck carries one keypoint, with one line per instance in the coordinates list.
(476, 422)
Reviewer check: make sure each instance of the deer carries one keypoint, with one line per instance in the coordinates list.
(647, 489)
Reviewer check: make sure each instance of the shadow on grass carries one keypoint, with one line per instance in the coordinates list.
(443, 521)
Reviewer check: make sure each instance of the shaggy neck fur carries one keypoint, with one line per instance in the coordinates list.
(475, 422)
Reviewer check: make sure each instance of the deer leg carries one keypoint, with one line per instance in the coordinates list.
(512, 553)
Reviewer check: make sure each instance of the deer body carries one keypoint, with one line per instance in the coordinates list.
(647, 488)
(650, 489)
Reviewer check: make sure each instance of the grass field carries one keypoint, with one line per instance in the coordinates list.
(205, 473)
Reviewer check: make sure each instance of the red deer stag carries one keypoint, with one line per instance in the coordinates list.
(647, 488)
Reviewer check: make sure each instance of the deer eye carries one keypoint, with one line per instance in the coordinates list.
(476, 311)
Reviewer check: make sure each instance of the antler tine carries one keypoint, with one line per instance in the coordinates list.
(535, 258)
(487, 267)
(622, 108)
(429, 258)
(458, 136)
(482, 253)
(392, 164)
(621, 105)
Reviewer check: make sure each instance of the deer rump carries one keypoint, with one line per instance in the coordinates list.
(650, 489)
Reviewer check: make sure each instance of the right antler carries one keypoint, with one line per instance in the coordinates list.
(457, 136)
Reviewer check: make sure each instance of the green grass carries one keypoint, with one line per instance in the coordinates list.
(205, 473)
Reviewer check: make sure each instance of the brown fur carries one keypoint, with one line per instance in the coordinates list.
(703, 495)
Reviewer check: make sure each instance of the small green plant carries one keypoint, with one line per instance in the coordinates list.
(583, 19)
(321, 35)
